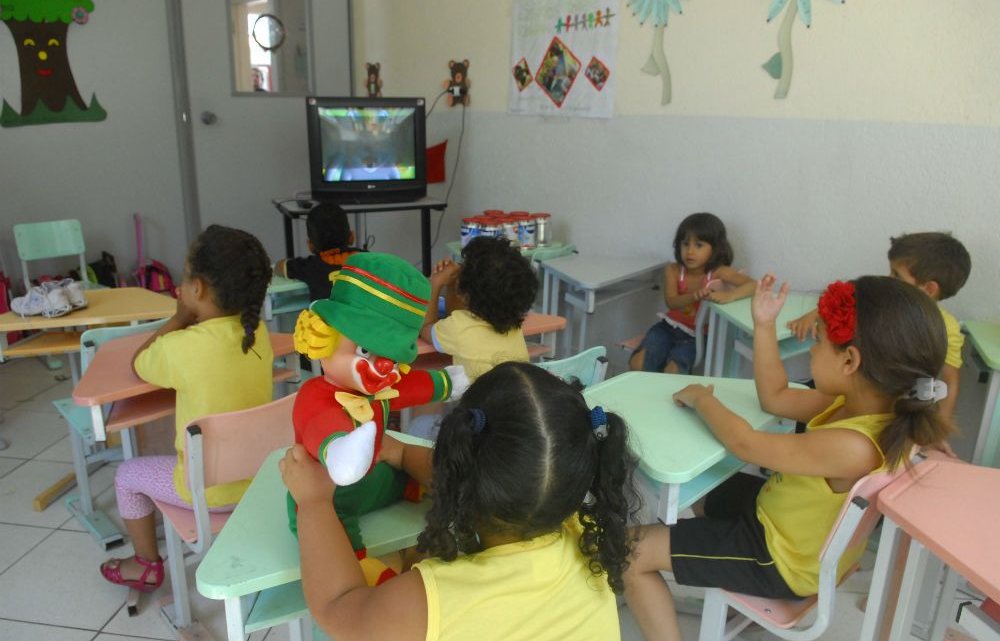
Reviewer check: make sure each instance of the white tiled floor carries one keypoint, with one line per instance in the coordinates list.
(49, 583)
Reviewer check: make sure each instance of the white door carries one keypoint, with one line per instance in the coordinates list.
(251, 148)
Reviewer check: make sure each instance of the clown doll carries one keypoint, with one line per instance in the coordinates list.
(364, 336)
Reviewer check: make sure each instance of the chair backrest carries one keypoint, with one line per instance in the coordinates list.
(50, 239)
(233, 445)
(92, 339)
(700, 323)
(587, 367)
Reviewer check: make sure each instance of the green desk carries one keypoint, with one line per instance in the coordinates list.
(253, 563)
(738, 315)
(677, 452)
(284, 296)
(985, 339)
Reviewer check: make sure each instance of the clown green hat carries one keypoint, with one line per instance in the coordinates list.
(378, 301)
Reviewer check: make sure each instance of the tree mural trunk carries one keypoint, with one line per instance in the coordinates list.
(44, 65)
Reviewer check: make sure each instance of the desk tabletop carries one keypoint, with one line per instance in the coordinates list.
(595, 272)
(282, 285)
(672, 443)
(255, 549)
(738, 312)
(104, 306)
(109, 377)
(985, 337)
(950, 507)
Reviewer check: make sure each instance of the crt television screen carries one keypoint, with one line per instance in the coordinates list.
(367, 144)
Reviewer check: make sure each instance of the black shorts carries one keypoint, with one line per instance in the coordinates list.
(726, 548)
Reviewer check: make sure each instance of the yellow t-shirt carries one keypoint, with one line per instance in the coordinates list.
(206, 365)
(535, 590)
(798, 512)
(955, 339)
(475, 345)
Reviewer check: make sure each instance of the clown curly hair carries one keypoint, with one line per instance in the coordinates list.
(497, 282)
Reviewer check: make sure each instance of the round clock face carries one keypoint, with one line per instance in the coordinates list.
(268, 32)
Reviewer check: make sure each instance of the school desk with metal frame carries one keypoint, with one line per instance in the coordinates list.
(680, 458)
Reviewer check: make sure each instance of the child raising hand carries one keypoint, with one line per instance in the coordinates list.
(880, 344)
(532, 493)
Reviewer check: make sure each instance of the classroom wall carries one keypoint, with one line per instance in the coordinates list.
(891, 125)
(100, 172)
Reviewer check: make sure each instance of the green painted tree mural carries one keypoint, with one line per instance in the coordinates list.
(658, 11)
(780, 64)
(48, 89)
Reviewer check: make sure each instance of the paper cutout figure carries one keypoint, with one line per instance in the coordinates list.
(659, 11)
(779, 66)
(48, 89)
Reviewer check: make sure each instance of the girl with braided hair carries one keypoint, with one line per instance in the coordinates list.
(215, 353)
(532, 493)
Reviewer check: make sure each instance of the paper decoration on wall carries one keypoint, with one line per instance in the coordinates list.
(569, 41)
(779, 66)
(48, 89)
(659, 12)
(373, 83)
(458, 84)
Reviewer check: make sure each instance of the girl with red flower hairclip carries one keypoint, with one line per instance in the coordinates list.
(880, 343)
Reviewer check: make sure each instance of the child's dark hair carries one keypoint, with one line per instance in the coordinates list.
(901, 337)
(933, 256)
(498, 283)
(235, 266)
(532, 460)
(327, 227)
(709, 229)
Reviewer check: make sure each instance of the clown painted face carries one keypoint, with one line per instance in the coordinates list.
(351, 366)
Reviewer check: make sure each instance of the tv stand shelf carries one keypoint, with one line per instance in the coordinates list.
(290, 211)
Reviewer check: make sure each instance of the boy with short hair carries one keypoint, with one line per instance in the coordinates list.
(938, 264)
(329, 241)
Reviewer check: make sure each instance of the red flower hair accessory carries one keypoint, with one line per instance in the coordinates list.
(838, 310)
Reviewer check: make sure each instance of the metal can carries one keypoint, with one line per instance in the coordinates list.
(543, 228)
(510, 230)
(526, 231)
(493, 213)
(469, 230)
(492, 230)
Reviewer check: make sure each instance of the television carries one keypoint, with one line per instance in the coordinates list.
(366, 150)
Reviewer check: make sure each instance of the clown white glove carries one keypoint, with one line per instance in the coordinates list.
(459, 381)
(349, 457)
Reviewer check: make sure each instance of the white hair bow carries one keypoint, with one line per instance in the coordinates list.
(929, 389)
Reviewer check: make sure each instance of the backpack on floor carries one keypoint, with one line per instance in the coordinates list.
(151, 274)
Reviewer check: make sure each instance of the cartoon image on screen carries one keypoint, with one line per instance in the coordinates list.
(367, 144)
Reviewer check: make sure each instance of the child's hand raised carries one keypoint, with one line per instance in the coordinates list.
(445, 273)
(306, 479)
(690, 395)
(766, 304)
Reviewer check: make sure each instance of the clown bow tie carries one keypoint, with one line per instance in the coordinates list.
(360, 407)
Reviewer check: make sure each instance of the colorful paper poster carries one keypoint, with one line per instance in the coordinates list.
(562, 57)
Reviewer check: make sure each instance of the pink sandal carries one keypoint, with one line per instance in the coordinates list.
(111, 570)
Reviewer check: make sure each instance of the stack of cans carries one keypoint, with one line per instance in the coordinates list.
(519, 227)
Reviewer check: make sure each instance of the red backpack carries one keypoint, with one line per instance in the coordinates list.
(151, 274)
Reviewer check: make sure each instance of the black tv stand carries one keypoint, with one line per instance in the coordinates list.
(291, 211)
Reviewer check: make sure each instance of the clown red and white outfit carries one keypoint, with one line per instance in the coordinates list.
(364, 335)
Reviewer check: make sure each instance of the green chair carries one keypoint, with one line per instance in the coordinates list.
(50, 239)
(123, 415)
(587, 367)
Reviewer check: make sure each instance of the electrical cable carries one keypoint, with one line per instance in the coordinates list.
(454, 174)
(434, 104)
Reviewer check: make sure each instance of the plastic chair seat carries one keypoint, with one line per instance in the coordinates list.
(183, 520)
(783, 613)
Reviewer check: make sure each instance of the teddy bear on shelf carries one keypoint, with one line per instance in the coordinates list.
(364, 336)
